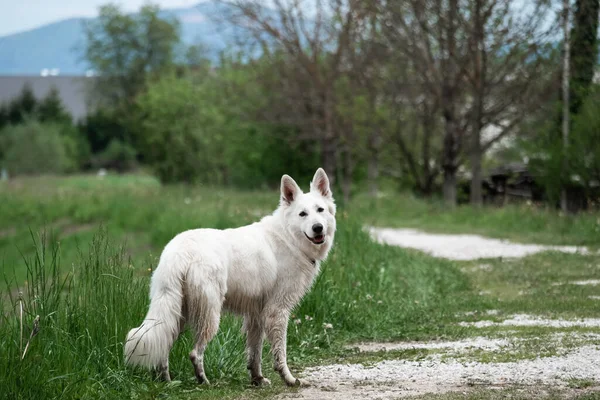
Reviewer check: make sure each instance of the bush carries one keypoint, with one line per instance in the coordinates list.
(35, 148)
(178, 142)
(101, 127)
(118, 156)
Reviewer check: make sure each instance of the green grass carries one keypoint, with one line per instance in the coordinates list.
(540, 284)
(524, 223)
(90, 291)
(88, 280)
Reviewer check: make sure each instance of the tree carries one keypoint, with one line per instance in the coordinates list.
(3, 115)
(580, 60)
(51, 108)
(430, 35)
(477, 62)
(126, 50)
(507, 78)
(22, 106)
(584, 51)
(311, 57)
(566, 117)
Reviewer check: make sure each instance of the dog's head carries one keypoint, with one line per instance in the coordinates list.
(309, 217)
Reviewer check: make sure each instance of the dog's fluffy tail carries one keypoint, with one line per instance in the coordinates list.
(149, 344)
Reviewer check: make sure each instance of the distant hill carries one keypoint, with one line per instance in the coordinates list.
(54, 46)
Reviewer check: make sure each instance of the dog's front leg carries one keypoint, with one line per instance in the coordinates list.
(253, 327)
(276, 323)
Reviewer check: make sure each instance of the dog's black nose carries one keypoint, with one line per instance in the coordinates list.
(317, 228)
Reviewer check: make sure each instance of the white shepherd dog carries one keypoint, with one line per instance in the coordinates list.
(260, 271)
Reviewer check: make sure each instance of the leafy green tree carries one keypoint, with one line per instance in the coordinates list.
(584, 148)
(176, 135)
(584, 51)
(127, 49)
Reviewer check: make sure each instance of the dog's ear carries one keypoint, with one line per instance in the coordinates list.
(320, 183)
(289, 190)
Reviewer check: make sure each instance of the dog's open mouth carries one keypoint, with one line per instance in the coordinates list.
(319, 239)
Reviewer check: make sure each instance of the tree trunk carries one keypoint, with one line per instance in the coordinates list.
(450, 156)
(476, 152)
(565, 92)
(476, 174)
(450, 163)
(348, 171)
(450, 187)
(328, 158)
(373, 163)
(373, 174)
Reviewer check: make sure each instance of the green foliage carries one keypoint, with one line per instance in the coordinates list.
(118, 156)
(584, 51)
(3, 115)
(198, 128)
(101, 127)
(35, 148)
(178, 141)
(51, 109)
(128, 49)
(584, 147)
(23, 106)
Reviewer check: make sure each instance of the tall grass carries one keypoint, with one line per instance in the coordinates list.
(364, 291)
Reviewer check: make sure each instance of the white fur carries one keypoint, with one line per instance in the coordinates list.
(260, 271)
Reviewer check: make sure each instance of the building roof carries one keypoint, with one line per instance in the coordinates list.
(72, 90)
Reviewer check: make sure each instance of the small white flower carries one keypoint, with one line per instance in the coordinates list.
(327, 326)
(379, 302)
(369, 297)
(308, 318)
(297, 321)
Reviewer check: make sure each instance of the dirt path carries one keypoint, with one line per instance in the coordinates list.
(461, 247)
(392, 379)
(447, 370)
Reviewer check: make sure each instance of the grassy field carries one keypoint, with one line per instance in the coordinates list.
(87, 278)
(521, 223)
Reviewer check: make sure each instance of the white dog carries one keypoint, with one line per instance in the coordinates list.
(260, 271)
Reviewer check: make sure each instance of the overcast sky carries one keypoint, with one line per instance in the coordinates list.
(22, 15)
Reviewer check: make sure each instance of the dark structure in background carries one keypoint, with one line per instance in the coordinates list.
(72, 90)
(515, 183)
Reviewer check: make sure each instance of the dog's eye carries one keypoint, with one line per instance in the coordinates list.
(320, 209)
(303, 214)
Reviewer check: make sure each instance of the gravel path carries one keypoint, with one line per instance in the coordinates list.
(461, 247)
(532, 320)
(393, 379)
(396, 378)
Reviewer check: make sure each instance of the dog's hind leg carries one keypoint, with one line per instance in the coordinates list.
(205, 320)
(254, 344)
(162, 372)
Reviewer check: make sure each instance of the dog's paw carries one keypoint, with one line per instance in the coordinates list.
(261, 381)
(298, 383)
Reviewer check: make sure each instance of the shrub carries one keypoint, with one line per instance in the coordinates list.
(118, 156)
(34, 148)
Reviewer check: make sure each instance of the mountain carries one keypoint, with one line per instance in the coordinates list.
(55, 46)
